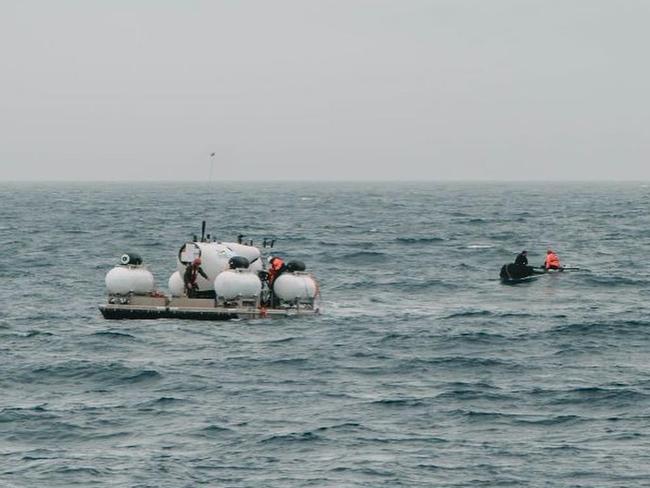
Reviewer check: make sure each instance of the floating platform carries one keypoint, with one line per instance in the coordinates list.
(148, 307)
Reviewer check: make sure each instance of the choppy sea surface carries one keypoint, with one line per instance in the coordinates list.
(423, 369)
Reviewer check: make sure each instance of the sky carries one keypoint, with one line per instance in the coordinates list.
(147, 90)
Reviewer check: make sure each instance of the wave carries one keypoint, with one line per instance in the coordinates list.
(546, 420)
(346, 261)
(484, 416)
(162, 401)
(36, 333)
(290, 361)
(212, 430)
(364, 256)
(18, 414)
(292, 438)
(113, 334)
(103, 373)
(468, 313)
(480, 246)
(612, 329)
(462, 362)
(478, 337)
(400, 402)
(345, 426)
(419, 240)
(500, 314)
(613, 281)
(361, 244)
(475, 394)
(397, 286)
(593, 396)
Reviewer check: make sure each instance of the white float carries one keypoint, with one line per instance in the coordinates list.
(175, 285)
(122, 280)
(235, 283)
(297, 286)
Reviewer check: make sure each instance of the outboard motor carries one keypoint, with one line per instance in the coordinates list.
(503, 274)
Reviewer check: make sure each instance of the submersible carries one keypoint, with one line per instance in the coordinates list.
(236, 285)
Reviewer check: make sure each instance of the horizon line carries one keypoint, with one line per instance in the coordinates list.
(203, 182)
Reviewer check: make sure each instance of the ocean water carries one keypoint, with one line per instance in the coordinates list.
(423, 369)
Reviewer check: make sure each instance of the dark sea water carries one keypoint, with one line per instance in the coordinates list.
(423, 370)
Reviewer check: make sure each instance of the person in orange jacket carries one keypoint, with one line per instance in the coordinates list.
(552, 261)
(276, 268)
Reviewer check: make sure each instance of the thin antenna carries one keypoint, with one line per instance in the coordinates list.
(211, 166)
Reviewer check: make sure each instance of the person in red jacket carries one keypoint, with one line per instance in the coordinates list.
(552, 261)
(276, 268)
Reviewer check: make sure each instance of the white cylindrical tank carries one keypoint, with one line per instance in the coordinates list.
(214, 259)
(175, 284)
(295, 286)
(235, 283)
(122, 280)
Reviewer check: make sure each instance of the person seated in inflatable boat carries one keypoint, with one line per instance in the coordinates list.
(522, 258)
(552, 261)
(519, 269)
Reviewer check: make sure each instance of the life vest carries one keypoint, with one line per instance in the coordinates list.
(277, 266)
(552, 261)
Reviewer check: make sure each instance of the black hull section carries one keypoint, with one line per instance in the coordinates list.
(144, 314)
(515, 281)
(199, 311)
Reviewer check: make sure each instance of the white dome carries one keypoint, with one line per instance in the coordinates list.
(214, 259)
(249, 252)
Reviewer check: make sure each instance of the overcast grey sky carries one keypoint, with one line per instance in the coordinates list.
(330, 89)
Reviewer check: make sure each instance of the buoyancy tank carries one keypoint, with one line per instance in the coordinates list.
(235, 283)
(175, 284)
(297, 286)
(122, 280)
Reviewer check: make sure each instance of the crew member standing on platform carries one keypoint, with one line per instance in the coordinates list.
(276, 268)
(189, 278)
